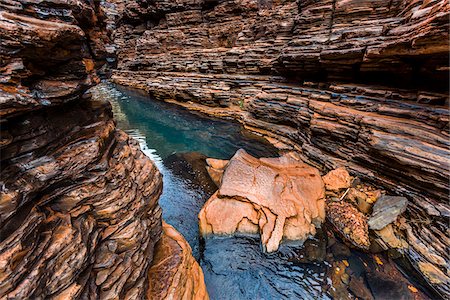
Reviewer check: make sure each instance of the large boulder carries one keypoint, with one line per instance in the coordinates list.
(279, 198)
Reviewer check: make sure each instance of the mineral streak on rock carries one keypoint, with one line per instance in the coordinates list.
(79, 213)
(279, 198)
(361, 84)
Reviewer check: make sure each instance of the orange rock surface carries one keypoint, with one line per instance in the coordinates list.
(175, 274)
(279, 198)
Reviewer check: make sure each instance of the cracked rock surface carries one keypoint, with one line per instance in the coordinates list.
(279, 198)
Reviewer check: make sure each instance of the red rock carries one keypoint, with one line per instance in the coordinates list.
(280, 198)
(79, 213)
(337, 179)
(175, 274)
(349, 222)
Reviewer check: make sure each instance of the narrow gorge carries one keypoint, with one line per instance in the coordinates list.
(121, 174)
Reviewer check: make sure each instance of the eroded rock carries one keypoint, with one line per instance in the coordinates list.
(337, 179)
(279, 198)
(175, 274)
(350, 223)
(79, 213)
(275, 68)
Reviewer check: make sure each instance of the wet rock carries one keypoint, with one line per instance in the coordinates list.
(349, 223)
(340, 251)
(175, 274)
(337, 179)
(275, 197)
(192, 166)
(339, 280)
(386, 210)
(383, 287)
(358, 287)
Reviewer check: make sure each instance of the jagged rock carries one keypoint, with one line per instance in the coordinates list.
(175, 274)
(386, 210)
(79, 213)
(337, 179)
(349, 223)
(276, 197)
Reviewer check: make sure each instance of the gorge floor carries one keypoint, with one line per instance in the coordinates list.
(178, 141)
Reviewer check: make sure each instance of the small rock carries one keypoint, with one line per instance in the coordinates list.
(373, 196)
(349, 223)
(354, 195)
(386, 210)
(337, 179)
(364, 206)
(388, 236)
(217, 163)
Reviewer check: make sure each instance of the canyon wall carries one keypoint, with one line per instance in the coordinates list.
(355, 83)
(79, 213)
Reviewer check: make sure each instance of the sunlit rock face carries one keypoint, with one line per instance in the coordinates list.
(279, 198)
(79, 213)
(361, 84)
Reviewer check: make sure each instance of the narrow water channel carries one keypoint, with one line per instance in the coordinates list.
(178, 141)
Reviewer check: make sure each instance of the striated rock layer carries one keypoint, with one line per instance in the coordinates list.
(279, 198)
(79, 213)
(359, 83)
(175, 274)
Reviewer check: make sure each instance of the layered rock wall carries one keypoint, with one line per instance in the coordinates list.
(357, 83)
(79, 213)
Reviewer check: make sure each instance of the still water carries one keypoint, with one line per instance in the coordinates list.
(178, 141)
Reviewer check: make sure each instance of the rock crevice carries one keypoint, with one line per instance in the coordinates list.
(79, 213)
